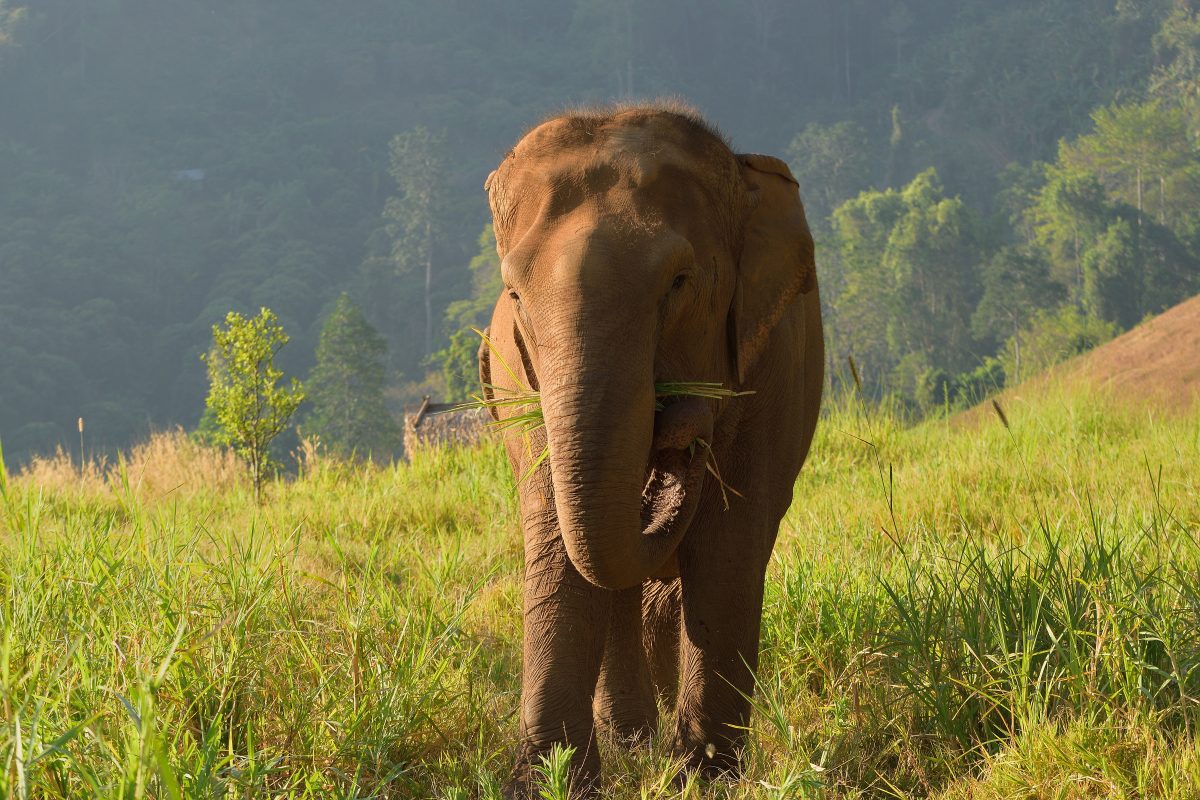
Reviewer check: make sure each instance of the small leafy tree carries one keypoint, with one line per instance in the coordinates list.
(244, 396)
(345, 387)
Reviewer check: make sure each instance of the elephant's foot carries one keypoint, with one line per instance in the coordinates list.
(625, 710)
(631, 727)
(529, 775)
(713, 757)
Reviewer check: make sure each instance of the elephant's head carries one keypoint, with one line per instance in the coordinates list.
(637, 248)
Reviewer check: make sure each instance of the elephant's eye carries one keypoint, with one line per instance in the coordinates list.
(512, 295)
(679, 281)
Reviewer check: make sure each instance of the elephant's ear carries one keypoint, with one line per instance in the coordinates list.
(499, 209)
(776, 263)
(485, 373)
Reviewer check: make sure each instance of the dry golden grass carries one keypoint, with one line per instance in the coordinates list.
(170, 461)
(166, 463)
(63, 471)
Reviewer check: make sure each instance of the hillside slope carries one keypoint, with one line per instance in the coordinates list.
(1158, 359)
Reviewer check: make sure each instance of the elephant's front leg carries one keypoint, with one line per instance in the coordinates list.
(566, 620)
(722, 571)
(624, 703)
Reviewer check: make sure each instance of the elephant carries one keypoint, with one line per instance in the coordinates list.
(637, 248)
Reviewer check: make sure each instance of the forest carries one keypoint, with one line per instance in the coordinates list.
(994, 185)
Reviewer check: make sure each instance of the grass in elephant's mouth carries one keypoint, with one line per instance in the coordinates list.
(530, 418)
(531, 400)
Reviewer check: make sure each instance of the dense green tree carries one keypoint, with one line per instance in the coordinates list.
(345, 388)
(908, 280)
(1053, 335)
(247, 403)
(1177, 46)
(832, 164)
(416, 216)
(1112, 278)
(858, 294)
(1118, 264)
(933, 255)
(1134, 147)
(1065, 217)
(1016, 285)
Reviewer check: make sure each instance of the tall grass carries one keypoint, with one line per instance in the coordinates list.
(953, 610)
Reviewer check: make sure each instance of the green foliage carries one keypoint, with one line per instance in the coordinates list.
(1117, 260)
(1053, 335)
(975, 386)
(932, 256)
(858, 296)
(1112, 275)
(1016, 283)
(244, 396)
(486, 285)
(345, 388)
(1065, 216)
(907, 268)
(924, 389)
(416, 216)
(553, 773)
(832, 164)
(1177, 47)
(459, 363)
(1137, 150)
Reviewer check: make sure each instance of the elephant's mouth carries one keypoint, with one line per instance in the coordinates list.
(675, 469)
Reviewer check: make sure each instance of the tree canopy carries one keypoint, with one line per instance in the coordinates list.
(345, 389)
(165, 163)
(248, 405)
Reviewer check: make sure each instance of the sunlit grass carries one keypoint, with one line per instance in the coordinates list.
(958, 611)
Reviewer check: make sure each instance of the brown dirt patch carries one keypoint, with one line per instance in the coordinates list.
(1158, 362)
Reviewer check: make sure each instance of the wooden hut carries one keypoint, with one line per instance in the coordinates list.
(437, 424)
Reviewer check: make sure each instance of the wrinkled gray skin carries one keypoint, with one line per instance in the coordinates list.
(636, 248)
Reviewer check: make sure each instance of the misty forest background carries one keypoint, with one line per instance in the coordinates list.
(994, 184)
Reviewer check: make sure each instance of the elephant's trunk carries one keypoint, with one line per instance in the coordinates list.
(620, 481)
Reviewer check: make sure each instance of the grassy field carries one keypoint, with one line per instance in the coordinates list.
(952, 612)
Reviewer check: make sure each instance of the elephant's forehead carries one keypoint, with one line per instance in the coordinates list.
(627, 151)
(628, 175)
(615, 164)
(645, 169)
